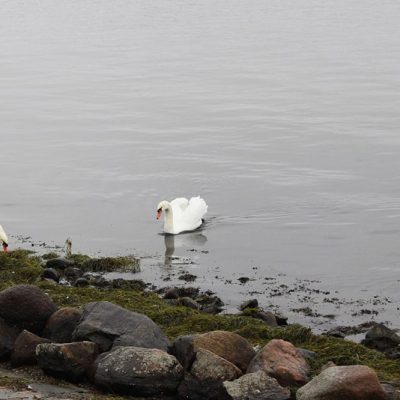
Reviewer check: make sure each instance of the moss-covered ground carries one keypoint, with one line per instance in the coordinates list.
(18, 267)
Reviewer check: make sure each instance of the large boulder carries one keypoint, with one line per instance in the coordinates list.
(61, 324)
(228, 345)
(138, 371)
(255, 386)
(8, 335)
(27, 307)
(354, 382)
(206, 376)
(25, 348)
(109, 325)
(282, 361)
(70, 361)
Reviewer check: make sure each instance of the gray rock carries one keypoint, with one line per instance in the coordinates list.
(70, 361)
(59, 263)
(188, 302)
(391, 392)
(267, 316)
(138, 371)
(109, 325)
(355, 382)
(383, 339)
(61, 324)
(255, 386)
(171, 293)
(81, 282)
(25, 348)
(51, 273)
(27, 307)
(252, 303)
(72, 273)
(206, 376)
(8, 335)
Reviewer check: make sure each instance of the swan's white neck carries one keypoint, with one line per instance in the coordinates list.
(169, 220)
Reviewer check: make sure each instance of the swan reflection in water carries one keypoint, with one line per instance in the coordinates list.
(188, 241)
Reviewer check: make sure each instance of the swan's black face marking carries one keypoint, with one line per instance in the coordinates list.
(159, 210)
(5, 246)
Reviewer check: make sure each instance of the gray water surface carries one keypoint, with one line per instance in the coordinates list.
(283, 115)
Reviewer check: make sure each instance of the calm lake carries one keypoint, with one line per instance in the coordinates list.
(283, 115)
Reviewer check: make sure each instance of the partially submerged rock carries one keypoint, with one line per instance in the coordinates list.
(384, 339)
(27, 307)
(355, 382)
(281, 360)
(109, 325)
(138, 371)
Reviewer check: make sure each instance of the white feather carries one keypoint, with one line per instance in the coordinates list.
(3, 235)
(182, 215)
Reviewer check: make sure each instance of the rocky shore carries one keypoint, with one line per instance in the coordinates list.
(66, 333)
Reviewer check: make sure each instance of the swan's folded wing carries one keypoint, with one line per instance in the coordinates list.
(180, 202)
(196, 210)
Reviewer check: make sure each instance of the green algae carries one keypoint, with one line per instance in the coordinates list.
(19, 266)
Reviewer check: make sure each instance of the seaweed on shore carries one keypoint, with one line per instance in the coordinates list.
(22, 267)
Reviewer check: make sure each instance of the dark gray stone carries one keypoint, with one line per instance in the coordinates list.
(8, 335)
(382, 338)
(110, 325)
(138, 371)
(188, 302)
(51, 273)
(252, 303)
(59, 263)
(25, 348)
(61, 324)
(27, 307)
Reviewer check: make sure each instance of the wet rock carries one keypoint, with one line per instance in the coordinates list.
(171, 293)
(266, 316)
(281, 360)
(253, 303)
(109, 325)
(355, 382)
(188, 292)
(69, 361)
(59, 263)
(8, 335)
(27, 307)
(81, 282)
(51, 273)
(243, 279)
(383, 339)
(72, 273)
(187, 277)
(61, 324)
(138, 371)
(227, 345)
(188, 302)
(206, 376)
(282, 320)
(255, 386)
(25, 348)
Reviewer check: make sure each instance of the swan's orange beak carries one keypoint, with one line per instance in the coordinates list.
(159, 211)
(5, 247)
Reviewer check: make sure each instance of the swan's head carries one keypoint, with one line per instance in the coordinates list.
(163, 206)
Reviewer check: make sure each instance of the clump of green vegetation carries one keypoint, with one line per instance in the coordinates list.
(20, 266)
(49, 256)
(108, 264)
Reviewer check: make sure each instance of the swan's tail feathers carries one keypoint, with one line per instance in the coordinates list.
(199, 205)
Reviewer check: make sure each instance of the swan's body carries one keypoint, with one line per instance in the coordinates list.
(3, 238)
(182, 215)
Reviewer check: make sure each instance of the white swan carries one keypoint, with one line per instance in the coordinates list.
(3, 239)
(182, 215)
